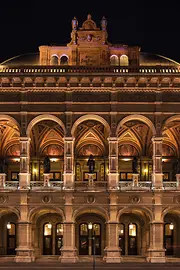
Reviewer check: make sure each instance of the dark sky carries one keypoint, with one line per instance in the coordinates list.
(153, 25)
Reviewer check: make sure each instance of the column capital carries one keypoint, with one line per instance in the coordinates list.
(25, 139)
(157, 138)
(111, 139)
(70, 139)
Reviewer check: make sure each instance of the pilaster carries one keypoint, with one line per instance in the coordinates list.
(113, 176)
(24, 175)
(157, 175)
(68, 163)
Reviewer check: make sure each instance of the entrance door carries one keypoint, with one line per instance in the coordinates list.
(132, 239)
(83, 239)
(59, 238)
(122, 238)
(168, 238)
(47, 239)
(96, 239)
(11, 239)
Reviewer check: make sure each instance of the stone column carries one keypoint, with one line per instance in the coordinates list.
(68, 163)
(113, 176)
(156, 250)
(112, 250)
(68, 251)
(157, 175)
(46, 177)
(2, 180)
(24, 175)
(24, 250)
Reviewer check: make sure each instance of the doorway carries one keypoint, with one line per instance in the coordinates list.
(11, 238)
(168, 238)
(90, 239)
(132, 239)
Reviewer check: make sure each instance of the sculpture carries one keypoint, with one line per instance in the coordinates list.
(134, 164)
(175, 168)
(74, 23)
(103, 23)
(91, 164)
(47, 165)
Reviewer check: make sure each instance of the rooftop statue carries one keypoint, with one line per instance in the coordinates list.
(103, 23)
(74, 23)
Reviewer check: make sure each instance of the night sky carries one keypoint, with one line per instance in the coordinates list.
(153, 25)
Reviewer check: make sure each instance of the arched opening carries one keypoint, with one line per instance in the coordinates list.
(9, 233)
(124, 61)
(64, 60)
(46, 141)
(135, 152)
(171, 233)
(90, 234)
(114, 60)
(54, 60)
(48, 233)
(170, 151)
(134, 232)
(9, 151)
(90, 147)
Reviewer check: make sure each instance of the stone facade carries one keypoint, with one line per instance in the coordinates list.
(90, 97)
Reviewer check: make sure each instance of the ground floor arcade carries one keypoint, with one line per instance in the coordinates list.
(48, 233)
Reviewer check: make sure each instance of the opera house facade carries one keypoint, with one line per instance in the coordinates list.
(90, 152)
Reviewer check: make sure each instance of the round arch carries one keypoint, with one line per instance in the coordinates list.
(44, 117)
(45, 210)
(129, 210)
(171, 119)
(10, 118)
(89, 117)
(139, 117)
(9, 210)
(167, 210)
(94, 210)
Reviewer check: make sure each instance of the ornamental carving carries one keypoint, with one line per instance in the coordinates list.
(46, 199)
(135, 199)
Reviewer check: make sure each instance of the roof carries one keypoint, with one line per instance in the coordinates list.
(146, 59)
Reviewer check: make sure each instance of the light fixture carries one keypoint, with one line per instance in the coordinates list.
(171, 226)
(130, 226)
(121, 231)
(8, 225)
(126, 159)
(34, 171)
(49, 225)
(90, 225)
(16, 159)
(145, 170)
(54, 159)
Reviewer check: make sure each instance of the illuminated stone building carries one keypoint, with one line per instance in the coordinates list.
(66, 103)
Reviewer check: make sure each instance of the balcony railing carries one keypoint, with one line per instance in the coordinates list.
(98, 186)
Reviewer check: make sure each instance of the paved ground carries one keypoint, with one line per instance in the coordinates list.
(88, 266)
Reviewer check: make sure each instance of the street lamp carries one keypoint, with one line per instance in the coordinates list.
(90, 226)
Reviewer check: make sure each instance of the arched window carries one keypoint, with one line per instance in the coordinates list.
(124, 60)
(114, 60)
(54, 60)
(64, 60)
(132, 239)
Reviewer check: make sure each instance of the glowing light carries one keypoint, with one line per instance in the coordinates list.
(8, 225)
(131, 226)
(34, 171)
(121, 231)
(90, 225)
(16, 159)
(49, 225)
(54, 159)
(171, 226)
(145, 170)
(126, 159)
